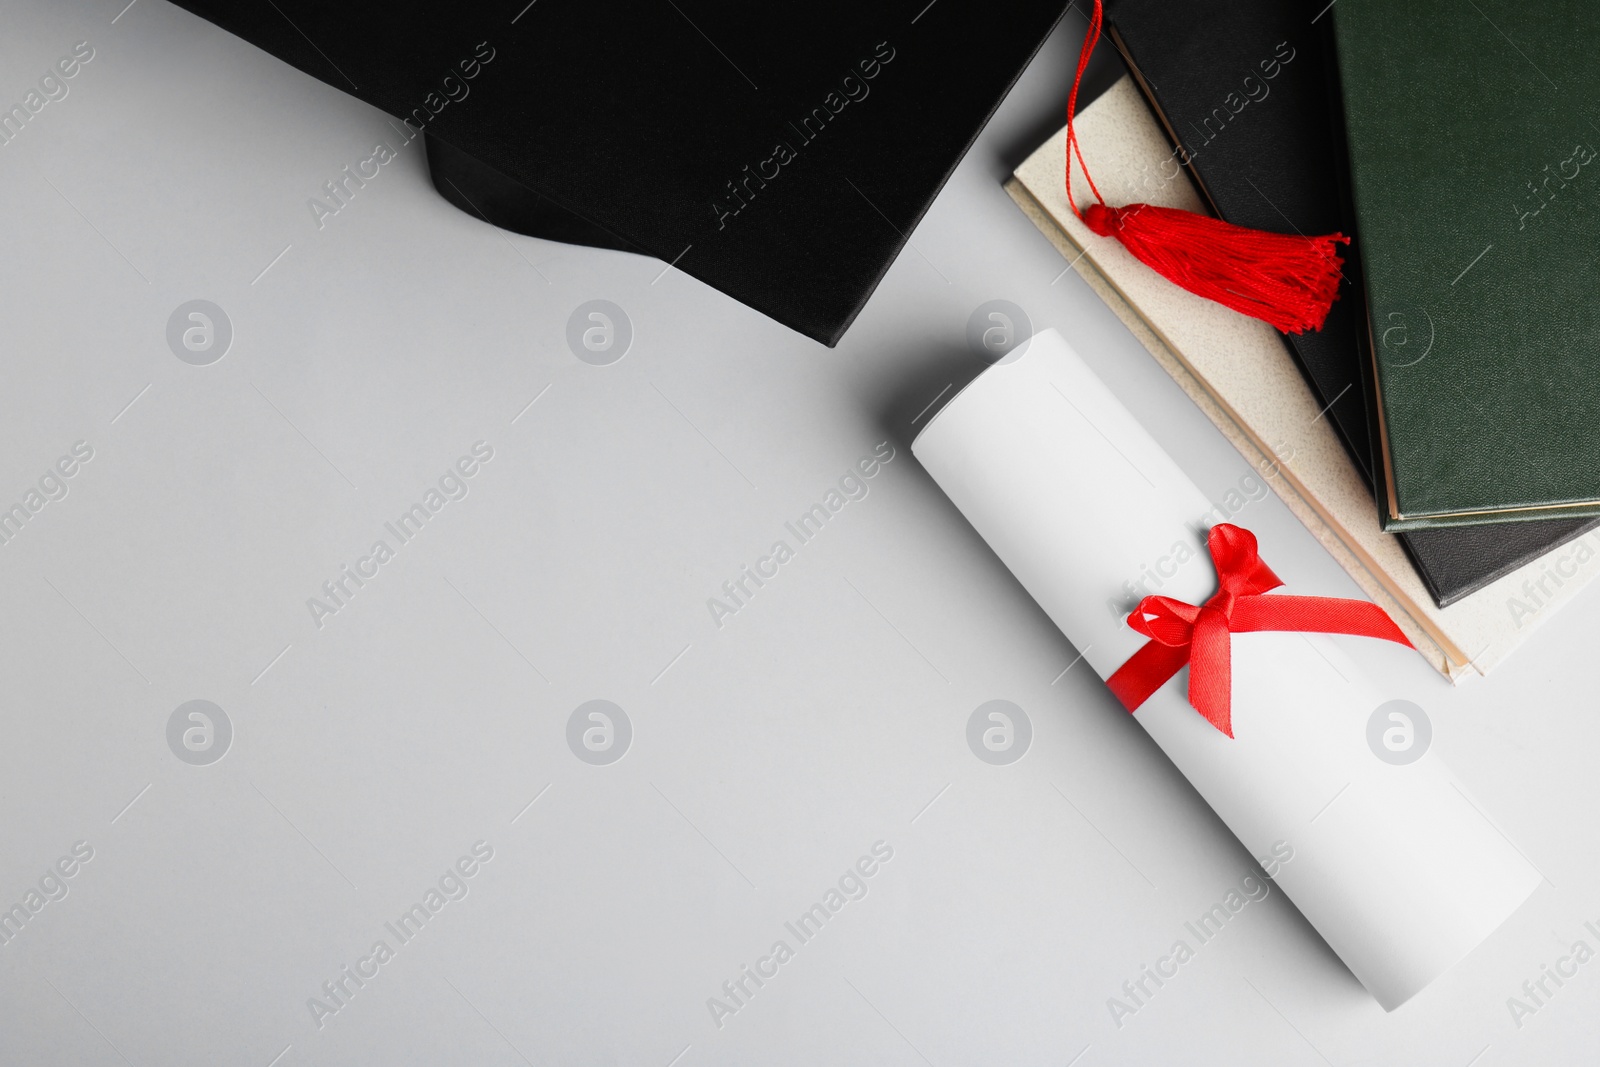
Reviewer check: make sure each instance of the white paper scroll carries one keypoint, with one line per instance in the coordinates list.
(1392, 864)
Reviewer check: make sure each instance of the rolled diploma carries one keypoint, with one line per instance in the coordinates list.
(1397, 870)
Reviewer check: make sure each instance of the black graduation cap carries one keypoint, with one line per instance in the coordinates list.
(779, 151)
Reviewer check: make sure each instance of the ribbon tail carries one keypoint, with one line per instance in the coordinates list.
(1146, 670)
(1211, 670)
(1316, 614)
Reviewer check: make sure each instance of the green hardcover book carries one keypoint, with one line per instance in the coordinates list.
(1475, 179)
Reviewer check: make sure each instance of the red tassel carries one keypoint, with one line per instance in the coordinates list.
(1288, 281)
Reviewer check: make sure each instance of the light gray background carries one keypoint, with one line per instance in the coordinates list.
(767, 755)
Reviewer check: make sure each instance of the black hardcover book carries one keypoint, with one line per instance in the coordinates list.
(1241, 87)
(778, 151)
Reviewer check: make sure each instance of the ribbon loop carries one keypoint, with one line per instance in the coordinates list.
(1201, 635)
(1164, 619)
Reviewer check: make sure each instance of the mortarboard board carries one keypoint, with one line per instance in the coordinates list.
(780, 152)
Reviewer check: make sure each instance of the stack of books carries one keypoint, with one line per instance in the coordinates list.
(1441, 433)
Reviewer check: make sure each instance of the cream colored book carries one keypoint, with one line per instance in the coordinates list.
(1241, 374)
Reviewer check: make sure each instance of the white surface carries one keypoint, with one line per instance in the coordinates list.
(768, 756)
(1391, 863)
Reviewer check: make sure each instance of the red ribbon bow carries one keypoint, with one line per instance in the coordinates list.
(1199, 636)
